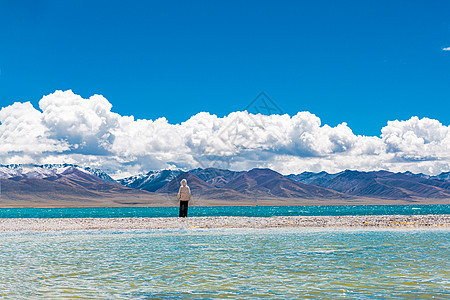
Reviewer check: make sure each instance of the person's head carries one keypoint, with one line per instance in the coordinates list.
(183, 182)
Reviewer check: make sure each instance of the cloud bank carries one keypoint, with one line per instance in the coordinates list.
(446, 49)
(69, 129)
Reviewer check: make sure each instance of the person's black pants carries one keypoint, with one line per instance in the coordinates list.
(183, 208)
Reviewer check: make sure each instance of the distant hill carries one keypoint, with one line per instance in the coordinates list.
(443, 176)
(71, 185)
(254, 185)
(266, 182)
(202, 189)
(312, 178)
(381, 184)
(65, 186)
(195, 183)
(216, 177)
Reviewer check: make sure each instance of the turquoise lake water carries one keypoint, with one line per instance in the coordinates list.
(248, 211)
(226, 263)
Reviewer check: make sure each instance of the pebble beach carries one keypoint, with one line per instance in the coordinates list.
(376, 221)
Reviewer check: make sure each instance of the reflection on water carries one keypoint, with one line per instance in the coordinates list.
(237, 263)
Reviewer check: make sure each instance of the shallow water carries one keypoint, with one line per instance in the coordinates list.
(226, 263)
(210, 211)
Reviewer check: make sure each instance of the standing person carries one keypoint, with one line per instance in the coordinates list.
(184, 195)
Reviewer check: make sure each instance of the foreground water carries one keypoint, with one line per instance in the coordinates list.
(237, 263)
(210, 211)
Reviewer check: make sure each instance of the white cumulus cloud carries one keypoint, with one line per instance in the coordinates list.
(22, 130)
(86, 124)
(446, 49)
(417, 139)
(68, 128)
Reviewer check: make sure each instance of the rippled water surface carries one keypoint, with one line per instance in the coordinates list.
(243, 211)
(237, 263)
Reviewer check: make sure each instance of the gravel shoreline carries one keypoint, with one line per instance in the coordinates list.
(384, 221)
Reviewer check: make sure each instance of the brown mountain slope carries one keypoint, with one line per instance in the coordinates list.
(216, 177)
(201, 189)
(386, 185)
(263, 182)
(194, 182)
(71, 188)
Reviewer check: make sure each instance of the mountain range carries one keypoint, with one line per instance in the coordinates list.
(381, 184)
(66, 185)
(72, 185)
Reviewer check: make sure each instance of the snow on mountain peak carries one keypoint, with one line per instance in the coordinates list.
(45, 171)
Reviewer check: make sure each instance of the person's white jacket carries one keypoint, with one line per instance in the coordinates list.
(184, 194)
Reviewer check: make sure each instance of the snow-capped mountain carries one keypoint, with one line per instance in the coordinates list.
(72, 185)
(151, 181)
(421, 175)
(46, 171)
(312, 178)
(99, 173)
(65, 186)
(443, 176)
(368, 184)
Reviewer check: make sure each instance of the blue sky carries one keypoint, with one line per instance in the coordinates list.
(360, 62)
(365, 84)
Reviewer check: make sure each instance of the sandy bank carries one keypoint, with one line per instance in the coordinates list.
(416, 221)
